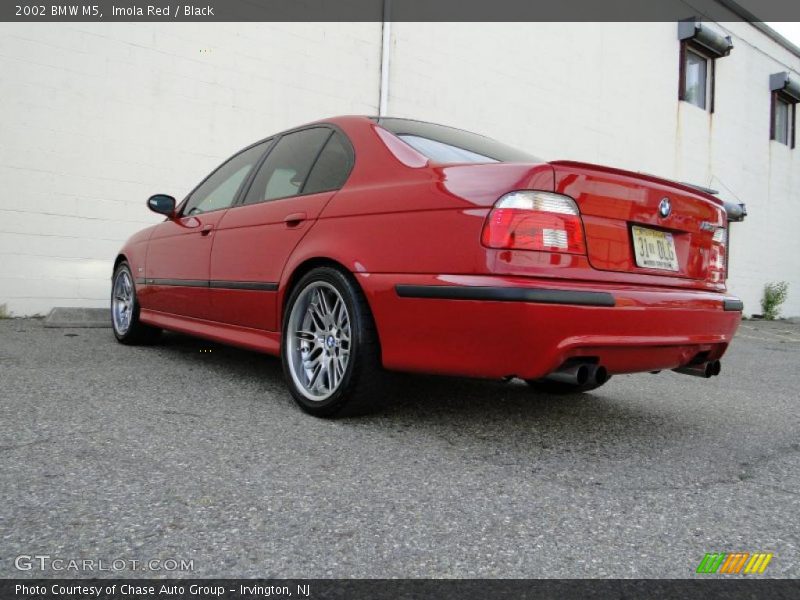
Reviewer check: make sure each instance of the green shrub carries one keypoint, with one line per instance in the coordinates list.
(774, 295)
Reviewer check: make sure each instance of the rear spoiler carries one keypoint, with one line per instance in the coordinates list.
(736, 211)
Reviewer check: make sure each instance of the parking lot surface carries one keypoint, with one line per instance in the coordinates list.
(190, 450)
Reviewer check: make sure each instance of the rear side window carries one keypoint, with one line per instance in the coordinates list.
(449, 145)
(332, 167)
(287, 166)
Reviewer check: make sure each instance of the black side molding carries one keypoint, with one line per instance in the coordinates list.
(177, 282)
(505, 294)
(217, 284)
(244, 285)
(732, 304)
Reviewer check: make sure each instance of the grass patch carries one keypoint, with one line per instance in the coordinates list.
(775, 294)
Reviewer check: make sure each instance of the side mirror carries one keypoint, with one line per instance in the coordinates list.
(162, 204)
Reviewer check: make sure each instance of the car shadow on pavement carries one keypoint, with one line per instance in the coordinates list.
(618, 414)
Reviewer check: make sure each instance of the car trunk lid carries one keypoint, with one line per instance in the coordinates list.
(636, 223)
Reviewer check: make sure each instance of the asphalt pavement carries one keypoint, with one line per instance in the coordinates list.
(193, 451)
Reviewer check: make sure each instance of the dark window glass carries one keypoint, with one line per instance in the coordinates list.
(332, 167)
(695, 84)
(449, 145)
(783, 120)
(286, 167)
(220, 189)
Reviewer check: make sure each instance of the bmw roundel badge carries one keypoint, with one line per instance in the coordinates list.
(664, 208)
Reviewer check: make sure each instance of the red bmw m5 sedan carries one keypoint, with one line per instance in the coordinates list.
(356, 244)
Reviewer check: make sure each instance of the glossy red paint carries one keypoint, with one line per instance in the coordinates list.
(400, 219)
(649, 328)
(611, 200)
(260, 228)
(180, 249)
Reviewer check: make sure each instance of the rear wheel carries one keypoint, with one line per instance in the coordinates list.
(128, 329)
(329, 350)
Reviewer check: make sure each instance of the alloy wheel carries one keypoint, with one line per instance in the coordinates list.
(318, 339)
(122, 302)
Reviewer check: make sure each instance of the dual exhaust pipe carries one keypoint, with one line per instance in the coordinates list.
(580, 374)
(704, 369)
(589, 373)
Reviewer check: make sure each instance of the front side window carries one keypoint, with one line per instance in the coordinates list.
(219, 190)
(287, 166)
(695, 73)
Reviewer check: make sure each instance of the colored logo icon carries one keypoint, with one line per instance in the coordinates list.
(734, 563)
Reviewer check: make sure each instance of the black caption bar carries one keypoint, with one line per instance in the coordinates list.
(398, 10)
(396, 589)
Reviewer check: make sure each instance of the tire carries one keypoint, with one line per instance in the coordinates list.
(331, 359)
(125, 323)
(559, 388)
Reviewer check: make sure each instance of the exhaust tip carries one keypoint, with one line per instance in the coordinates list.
(705, 370)
(574, 374)
(713, 368)
(582, 375)
(600, 375)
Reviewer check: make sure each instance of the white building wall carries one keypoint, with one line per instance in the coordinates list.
(99, 116)
(607, 93)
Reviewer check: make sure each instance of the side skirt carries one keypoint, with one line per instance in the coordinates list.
(268, 342)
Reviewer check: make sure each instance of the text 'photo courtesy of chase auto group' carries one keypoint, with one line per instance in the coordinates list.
(399, 299)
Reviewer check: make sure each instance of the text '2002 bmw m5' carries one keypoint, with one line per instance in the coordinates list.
(353, 245)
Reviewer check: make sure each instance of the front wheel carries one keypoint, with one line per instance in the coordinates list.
(128, 329)
(329, 346)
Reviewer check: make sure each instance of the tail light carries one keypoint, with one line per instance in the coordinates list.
(532, 220)
(717, 260)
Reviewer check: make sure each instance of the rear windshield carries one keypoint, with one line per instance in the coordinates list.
(449, 145)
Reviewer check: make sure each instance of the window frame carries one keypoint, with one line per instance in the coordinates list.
(791, 118)
(711, 68)
(275, 141)
(270, 142)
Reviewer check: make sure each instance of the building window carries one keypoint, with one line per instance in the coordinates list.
(700, 47)
(695, 78)
(785, 96)
(782, 120)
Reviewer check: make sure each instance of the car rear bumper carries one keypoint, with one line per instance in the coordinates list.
(500, 326)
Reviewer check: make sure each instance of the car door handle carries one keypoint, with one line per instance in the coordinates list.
(294, 219)
(206, 229)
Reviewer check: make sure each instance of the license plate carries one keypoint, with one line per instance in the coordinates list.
(654, 249)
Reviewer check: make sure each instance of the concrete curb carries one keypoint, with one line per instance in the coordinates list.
(64, 317)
